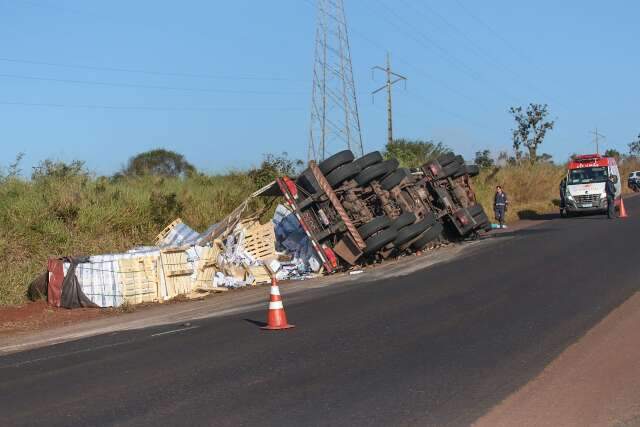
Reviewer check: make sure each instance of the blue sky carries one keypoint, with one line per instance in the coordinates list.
(224, 82)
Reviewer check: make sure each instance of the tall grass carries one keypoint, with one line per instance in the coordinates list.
(79, 215)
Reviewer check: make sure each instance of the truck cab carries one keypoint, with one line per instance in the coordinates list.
(585, 183)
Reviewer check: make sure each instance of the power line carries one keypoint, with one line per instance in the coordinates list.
(454, 61)
(491, 30)
(139, 71)
(147, 108)
(139, 86)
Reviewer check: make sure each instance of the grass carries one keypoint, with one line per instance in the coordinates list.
(80, 215)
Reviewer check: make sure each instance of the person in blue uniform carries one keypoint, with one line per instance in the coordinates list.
(500, 203)
(610, 189)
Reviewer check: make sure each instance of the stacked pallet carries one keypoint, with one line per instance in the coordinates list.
(259, 239)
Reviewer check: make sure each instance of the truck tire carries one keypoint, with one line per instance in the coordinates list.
(410, 232)
(342, 173)
(394, 178)
(451, 169)
(376, 171)
(378, 241)
(446, 159)
(308, 182)
(428, 236)
(378, 223)
(403, 220)
(472, 170)
(369, 159)
(476, 210)
(338, 159)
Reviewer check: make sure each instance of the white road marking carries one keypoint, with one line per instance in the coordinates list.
(173, 331)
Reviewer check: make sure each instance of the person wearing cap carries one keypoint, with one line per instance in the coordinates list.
(500, 203)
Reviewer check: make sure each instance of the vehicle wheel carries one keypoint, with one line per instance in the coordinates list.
(460, 159)
(429, 218)
(451, 169)
(343, 173)
(394, 179)
(308, 182)
(446, 158)
(378, 241)
(461, 172)
(411, 232)
(403, 220)
(476, 210)
(338, 159)
(472, 170)
(376, 224)
(369, 159)
(376, 171)
(482, 221)
(428, 236)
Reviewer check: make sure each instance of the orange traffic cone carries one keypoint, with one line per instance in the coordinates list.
(623, 211)
(276, 318)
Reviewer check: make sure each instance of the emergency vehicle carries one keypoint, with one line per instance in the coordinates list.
(585, 183)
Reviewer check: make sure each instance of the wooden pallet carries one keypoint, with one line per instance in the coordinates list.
(260, 274)
(259, 240)
(177, 272)
(207, 265)
(165, 232)
(138, 279)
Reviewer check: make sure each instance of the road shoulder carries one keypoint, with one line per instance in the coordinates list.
(594, 382)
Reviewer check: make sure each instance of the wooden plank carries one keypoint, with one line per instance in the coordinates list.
(138, 279)
(259, 239)
(165, 231)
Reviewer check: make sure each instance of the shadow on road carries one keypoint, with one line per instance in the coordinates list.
(512, 233)
(255, 322)
(535, 216)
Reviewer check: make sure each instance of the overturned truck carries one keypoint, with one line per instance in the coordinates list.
(367, 209)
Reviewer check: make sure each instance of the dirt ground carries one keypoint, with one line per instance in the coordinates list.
(33, 316)
(594, 382)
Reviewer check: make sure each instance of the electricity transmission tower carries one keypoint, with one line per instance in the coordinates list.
(597, 137)
(396, 78)
(335, 124)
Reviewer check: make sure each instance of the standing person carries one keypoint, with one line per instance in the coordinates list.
(563, 189)
(610, 189)
(500, 203)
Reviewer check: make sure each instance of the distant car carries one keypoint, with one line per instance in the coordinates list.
(634, 181)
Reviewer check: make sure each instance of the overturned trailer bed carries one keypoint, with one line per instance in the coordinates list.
(358, 210)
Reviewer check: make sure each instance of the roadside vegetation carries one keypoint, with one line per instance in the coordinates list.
(64, 209)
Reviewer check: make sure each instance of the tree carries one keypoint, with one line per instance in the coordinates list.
(159, 162)
(612, 153)
(484, 159)
(273, 166)
(545, 158)
(414, 153)
(531, 128)
(59, 169)
(634, 147)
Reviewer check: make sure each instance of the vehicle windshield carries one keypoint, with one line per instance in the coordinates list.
(587, 175)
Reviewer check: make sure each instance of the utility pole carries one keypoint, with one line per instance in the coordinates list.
(396, 78)
(597, 140)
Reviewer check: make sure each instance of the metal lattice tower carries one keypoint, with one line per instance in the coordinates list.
(335, 124)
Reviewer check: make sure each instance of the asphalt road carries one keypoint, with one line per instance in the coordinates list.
(440, 346)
